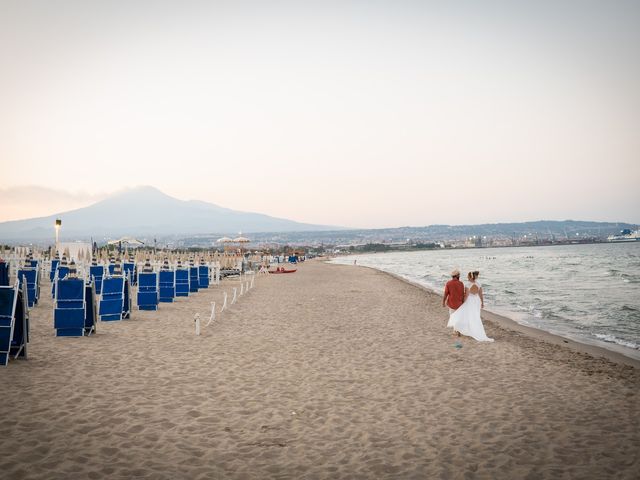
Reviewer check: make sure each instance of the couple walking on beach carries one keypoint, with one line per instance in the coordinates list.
(465, 303)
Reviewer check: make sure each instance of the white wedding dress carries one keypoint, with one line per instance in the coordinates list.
(466, 319)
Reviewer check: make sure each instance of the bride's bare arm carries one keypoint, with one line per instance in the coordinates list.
(481, 298)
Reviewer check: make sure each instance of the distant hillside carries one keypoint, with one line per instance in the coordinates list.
(146, 211)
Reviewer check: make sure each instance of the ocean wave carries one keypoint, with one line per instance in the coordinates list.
(613, 339)
(629, 308)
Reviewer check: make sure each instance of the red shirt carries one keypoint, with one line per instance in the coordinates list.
(455, 291)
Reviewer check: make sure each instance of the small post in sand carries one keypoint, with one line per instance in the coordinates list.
(197, 320)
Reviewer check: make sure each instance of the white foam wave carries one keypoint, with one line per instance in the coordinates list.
(613, 339)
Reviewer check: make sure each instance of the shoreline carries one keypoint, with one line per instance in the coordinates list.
(614, 354)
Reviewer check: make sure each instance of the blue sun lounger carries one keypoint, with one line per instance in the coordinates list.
(115, 303)
(148, 291)
(96, 272)
(54, 266)
(193, 279)
(203, 276)
(4, 274)
(182, 282)
(167, 284)
(14, 323)
(74, 308)
(61, 272)
(130, 271)
(31, 276)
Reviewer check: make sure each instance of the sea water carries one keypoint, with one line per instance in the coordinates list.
(590, 293)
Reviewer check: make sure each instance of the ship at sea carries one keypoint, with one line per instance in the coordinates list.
(625, 235)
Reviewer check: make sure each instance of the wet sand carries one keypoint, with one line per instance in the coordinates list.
(331, 372)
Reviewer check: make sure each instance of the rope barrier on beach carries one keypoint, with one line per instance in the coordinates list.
(224, 303)
(212, 317)
(244, 289)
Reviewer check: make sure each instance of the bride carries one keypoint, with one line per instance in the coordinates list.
(466, 319)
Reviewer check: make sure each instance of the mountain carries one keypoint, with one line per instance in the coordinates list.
(146, 211)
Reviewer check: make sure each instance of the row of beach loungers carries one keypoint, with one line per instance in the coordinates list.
(100, 291)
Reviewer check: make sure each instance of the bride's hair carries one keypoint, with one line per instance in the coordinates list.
(473, 275)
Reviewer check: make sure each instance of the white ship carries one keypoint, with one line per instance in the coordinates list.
(625, 235)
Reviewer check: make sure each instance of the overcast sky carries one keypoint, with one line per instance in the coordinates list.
(355, 113)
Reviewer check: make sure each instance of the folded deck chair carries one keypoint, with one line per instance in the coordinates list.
(61, 272)
(96, 272)
(167, 285)
(115, 303)
(130, 271)
(4, 274)
(182, 282)
(193, 279)
(91, 315)
(73, 312)
(54, 266)
(31, 276)
(203, 276)
(148, 291)
(14, 323)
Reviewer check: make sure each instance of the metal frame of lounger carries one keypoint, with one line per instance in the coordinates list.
(147, 291)
(166, 287)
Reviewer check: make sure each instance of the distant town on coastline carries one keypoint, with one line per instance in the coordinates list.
(537, 233)
(161, 221)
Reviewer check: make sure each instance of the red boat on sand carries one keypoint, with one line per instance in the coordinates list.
(283, 270)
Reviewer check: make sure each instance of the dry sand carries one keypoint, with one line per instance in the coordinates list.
(331, 372)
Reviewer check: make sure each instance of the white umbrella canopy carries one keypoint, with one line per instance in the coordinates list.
(225, 240)
(126, 241)
(241, 240)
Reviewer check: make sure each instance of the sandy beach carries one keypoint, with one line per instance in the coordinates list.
(331, 372)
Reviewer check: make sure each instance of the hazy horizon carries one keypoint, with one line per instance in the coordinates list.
(81, 199)
(360, 114)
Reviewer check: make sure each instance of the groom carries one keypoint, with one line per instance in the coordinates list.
(453, 292)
